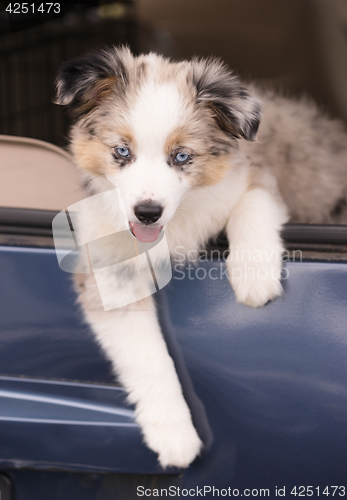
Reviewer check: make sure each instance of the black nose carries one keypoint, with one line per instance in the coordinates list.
(148, 212)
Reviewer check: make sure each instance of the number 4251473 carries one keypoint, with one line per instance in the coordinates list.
(309, 491)
(25, 8)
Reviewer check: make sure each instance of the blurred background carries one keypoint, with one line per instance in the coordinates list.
(297, 45)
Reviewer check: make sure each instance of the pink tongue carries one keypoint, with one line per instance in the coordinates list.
(145, 234)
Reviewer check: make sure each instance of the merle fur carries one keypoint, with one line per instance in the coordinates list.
(219, 89)
(77, 77)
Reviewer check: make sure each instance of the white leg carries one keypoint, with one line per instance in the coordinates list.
(255, 262)
(132, 340)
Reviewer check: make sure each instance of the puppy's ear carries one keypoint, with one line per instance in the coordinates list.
(83, 83)
(236, 112)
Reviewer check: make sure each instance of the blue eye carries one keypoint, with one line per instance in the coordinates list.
(123, 152)
(181, 157)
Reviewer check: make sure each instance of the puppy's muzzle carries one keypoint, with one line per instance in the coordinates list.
(148, 212)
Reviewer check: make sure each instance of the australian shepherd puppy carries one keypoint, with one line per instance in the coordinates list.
(179, 143)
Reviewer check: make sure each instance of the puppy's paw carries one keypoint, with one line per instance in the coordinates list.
(177, 445)
(257, 293)
(255, 286)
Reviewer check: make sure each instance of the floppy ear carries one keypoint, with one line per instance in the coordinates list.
(83, 83)
(236, 112)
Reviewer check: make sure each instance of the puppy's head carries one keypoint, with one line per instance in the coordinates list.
(154, 128)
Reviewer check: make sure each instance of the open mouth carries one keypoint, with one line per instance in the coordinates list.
(145, 234)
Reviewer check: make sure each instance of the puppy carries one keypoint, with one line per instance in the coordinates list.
(177, 142)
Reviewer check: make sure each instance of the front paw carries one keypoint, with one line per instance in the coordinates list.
(254, 286)
(177, 444)
(168, 430)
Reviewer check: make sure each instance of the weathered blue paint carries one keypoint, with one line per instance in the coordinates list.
(273, 382)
